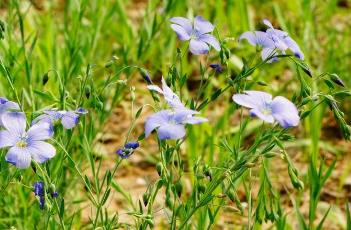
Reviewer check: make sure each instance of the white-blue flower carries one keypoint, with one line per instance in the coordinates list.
(263, 106)
(170, 124)
(25, 146)
(68, 119)
(272, 40)
(198, 32)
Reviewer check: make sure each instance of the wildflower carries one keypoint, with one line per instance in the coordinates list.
(197, 32)
(128, 149)
(170, 124)
(68, 119)
(272, 40)
(25, 145)
(39, 191)
(171, 98)
(5, 106)
(282, 40)
(217, 67)
(267, 109)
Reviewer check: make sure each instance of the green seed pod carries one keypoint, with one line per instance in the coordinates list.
(201, 188)
(132, 93)
(298, 184)
(250, 165)
(150, 222)
(208, 173)
(45, 78)
(270, 155)
(168, 202)
(99, 105)
(146, 198)
(179, 188)
(87, 91)
(159, 168)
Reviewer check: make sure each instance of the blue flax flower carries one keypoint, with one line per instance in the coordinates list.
(198, 32)
(68, 119)
(5, 106)
(272, 40)
(170, 124)
(171, 98)
(128, 149)
(25, 146)
(262, 105)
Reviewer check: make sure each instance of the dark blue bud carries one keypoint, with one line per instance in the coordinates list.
(41, 202)
(54, 194)
(132, 145)
(120, 152)
(81, 111)
(39, 188)
(217, 67)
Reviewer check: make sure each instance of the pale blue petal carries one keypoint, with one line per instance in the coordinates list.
(18, 157)
(155, 88)
(7, 139)
(195, 120)
(265, 117)
(183, 22)
(6, 106)
(15, 122)
(55, 114)
(69, 120)
(43, 118)
(258, 38)
(181, 32)
(182, 114)
(285, 112)
(278, 39)
(198, 47)
(267, 23)
(171, 98)
(211, 40)
(202, 26)
(40, 131)
(156, 120)
(41, 151)
(253, 99)
(294, 47)
(269, 52)
(171, 132)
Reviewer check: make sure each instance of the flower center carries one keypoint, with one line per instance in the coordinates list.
(267, 110)
(195, 35)
(22, 143)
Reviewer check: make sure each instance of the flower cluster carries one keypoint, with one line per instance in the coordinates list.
(68, 119)
(27, 144)
(170, 123)
(271, 41)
